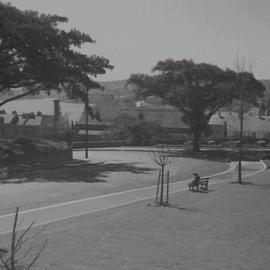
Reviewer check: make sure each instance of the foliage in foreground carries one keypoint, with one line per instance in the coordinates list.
(38, 55)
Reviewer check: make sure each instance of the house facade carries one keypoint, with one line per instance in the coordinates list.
(227, 124)
(32, 124)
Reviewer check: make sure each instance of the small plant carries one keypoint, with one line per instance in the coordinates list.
(161, 157)
(17, 257)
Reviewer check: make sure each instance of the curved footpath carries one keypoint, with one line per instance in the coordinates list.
(62, 211)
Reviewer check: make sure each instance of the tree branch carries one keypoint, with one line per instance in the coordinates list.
(18, 96)
(37, 255)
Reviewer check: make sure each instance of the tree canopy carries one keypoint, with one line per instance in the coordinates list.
(135, 130)
(36, 55)
(197, 90)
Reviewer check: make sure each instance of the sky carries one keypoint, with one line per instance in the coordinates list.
(135, 34)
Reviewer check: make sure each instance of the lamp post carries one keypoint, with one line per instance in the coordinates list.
(240, 67)
(86, 123)
(240, 138)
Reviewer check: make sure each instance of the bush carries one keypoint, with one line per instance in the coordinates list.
(24, 149)
(137, 131)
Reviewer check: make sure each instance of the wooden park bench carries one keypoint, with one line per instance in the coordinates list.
(202, 185)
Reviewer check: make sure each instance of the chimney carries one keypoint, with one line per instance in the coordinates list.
(56, 109)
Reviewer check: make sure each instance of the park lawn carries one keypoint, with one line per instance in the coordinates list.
(227, 228)
(122, 171)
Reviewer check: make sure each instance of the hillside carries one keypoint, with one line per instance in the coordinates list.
(116, 88)
(119, 88)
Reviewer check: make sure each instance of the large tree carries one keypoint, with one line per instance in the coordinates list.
(197, 90)
(36, 55)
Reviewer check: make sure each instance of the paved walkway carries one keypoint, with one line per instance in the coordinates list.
(62, 211)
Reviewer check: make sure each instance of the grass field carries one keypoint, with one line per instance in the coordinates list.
(122, 170)
(227, 228)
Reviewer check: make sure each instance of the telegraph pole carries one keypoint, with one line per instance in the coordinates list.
(240, 138)
(240, 68)
(86, 123)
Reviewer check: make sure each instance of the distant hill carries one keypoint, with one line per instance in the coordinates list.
(120, 89)
(117, 88)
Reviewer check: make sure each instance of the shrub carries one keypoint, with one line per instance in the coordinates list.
(137, 131)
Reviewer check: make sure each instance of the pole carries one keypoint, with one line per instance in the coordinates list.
(240, 138)
(168, 184)
(86, 123)
(162, 185)
(159, 173)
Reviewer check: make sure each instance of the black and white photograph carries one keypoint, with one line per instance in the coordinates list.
(134, 135)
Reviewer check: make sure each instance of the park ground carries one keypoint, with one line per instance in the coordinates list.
(226, 228)
(122, 170)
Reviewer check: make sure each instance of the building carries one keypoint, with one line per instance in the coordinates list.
(229, 123)
(101, 114)
(32, 124)
(95, 126)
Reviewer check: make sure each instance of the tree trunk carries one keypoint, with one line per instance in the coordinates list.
(162, 185)
(86, 123)
(196, 141)
(196, 146)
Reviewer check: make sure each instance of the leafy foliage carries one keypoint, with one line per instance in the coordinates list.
(137, 131)
(36, 55)
(197, 90)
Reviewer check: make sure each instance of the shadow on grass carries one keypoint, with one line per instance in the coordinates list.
(202, 191)
(263, 186)
(244, 183)
(173, 206)
(177, 207)
(89, 174)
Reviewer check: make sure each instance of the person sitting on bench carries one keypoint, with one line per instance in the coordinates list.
(196, 181)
